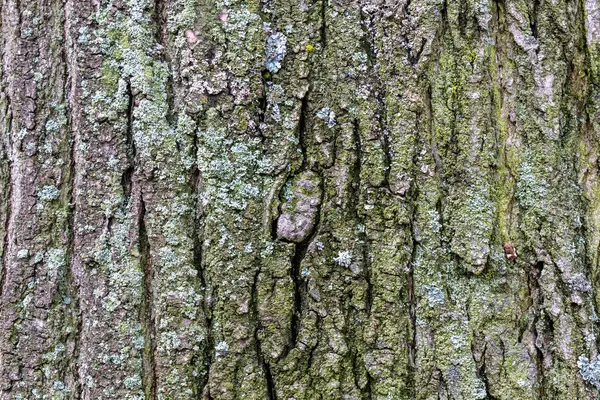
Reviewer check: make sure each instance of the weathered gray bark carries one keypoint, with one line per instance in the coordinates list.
(286, 199)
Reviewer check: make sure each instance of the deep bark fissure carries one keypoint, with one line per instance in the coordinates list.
(539, 361)
(210, 343)
(366, 251)
(355, 190)
(127, 176)
(302, 130)
(412, 309)
(357, 198)
(412, 313)
(414, 194)
(7, 227)
(481, 372)
(293, 172)
(381, 109)
(413, 58)
(367, 39)
(296, 275)
(262, 106)
(150, 378)
(71, 285)
(301, 248)
(442, 387)
(444, 25)
(162, 39)
(206, 354)
(159, 14)
(534, 288)
(533, 18)
(323, 29)
(6, 143)
(296, 262)
(265, 365)
(434, 147)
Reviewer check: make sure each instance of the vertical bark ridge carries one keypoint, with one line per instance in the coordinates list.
(35, 304)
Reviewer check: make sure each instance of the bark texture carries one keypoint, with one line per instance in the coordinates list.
(299, 199)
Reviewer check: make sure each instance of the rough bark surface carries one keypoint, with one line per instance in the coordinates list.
(299, 199)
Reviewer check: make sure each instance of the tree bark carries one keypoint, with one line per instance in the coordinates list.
(297, 199)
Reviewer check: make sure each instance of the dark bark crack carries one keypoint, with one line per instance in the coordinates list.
(149, 363)
(534, 297)
(71, 286)
(481, 372)
(302, 130)
(412, 310)
(206, 355)
(8, 190)
(357, 198)
(127, 176)
(323, 29)
(7, 227)
(533, 19)
(299, 253)
(266, 367)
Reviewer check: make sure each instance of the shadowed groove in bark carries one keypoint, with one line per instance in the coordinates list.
(8, 189)
(442, 386)
(412, 300)
(357, 197)
(127, 176)
(71, 256)
(354, 349)
(368, 46)
(71, 285)
(160, 9)
(366, 252)
(299, 287)
(533, 276)
(264, 364)
(303, 150)
(533, 18)
(412, 312)
(206, 354)
(481, 373)
(323, 28)
(423, 122)
(356, 168)
(7, 230)
(302, 129)
(149, 381)
(300, 284)
(413, 55)
(301, 248)
(262, 105)
(162, 40)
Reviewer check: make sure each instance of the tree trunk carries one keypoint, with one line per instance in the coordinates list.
(298, 199)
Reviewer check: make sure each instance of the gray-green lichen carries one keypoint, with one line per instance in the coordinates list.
(276, 50)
